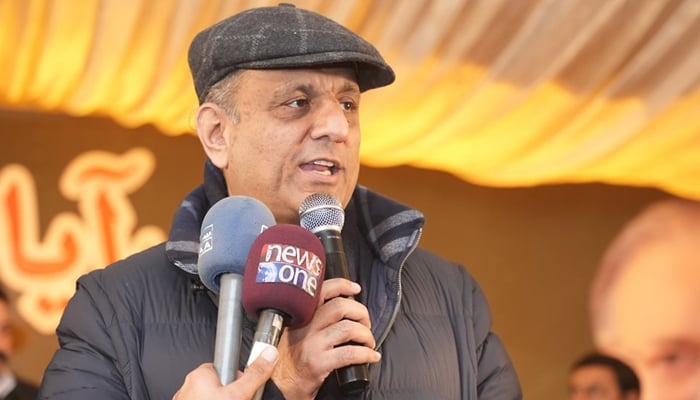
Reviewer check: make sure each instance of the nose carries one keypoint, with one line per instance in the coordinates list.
(331, 120)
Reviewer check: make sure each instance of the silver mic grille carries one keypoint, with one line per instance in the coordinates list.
(321, 211)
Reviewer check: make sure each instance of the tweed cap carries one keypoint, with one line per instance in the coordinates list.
(281, 37)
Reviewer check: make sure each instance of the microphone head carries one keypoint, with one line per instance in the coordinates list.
(321, 211)
(228, 230)
(284, 271)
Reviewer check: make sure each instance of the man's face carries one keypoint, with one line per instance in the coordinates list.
(593, 382)
(654, 319)
(298, 134)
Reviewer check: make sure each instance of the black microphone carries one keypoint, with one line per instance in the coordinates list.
(323, 215)
(228, 231)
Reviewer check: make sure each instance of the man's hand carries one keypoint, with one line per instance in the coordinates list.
(203, 382)
(308, 354)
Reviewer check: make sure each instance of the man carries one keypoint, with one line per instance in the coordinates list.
(646, 296)
(11, 387)
(279, 91)
(601, 377)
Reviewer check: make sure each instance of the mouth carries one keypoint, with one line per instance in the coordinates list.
(321, 167)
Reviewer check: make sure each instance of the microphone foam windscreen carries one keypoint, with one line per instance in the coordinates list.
(284, 272)
(228, 230)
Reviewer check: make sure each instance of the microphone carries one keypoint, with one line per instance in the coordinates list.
(228, 230)
(281, 284)
(323, 215)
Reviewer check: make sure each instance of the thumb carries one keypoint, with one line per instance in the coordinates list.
(258, 372)
(265, 362)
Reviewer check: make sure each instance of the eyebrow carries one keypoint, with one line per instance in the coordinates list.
(348, 87)
(677, 343)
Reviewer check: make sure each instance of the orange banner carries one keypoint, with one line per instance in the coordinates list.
(43, 268)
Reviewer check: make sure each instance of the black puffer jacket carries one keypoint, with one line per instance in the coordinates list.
(135, 329)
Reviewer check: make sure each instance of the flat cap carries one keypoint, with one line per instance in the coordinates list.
(281, 37)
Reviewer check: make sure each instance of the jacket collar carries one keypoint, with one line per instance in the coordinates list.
(389, 228)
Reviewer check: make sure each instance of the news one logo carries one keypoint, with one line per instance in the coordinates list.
(281, 263)
(206, 240)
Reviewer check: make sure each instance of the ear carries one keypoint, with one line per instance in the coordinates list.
(210, 122)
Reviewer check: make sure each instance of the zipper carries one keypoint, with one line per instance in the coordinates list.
(414, 244)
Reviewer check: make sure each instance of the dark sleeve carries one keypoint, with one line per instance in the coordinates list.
(496, 376)
(272, 392)
(85, 367)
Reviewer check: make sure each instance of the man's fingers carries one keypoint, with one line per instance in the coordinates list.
(256, 374)
(338, 287)
(340, 308)
(202, 379)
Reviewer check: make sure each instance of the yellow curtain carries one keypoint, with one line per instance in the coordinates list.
(497, 92)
